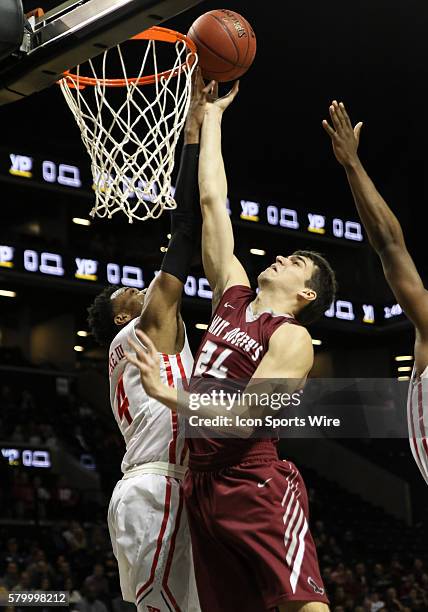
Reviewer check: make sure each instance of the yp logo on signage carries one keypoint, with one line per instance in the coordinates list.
(86, 269)
(21, 165)
(316, 223)
(250, 210)
(6, 256)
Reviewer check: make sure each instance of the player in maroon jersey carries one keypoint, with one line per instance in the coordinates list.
(248, 511)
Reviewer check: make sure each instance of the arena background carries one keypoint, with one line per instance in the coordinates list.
(61, 450)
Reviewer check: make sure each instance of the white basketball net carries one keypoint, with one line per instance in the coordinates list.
(132, 141)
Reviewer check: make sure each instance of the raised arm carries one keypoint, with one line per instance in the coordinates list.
(160, 316)
(221, 267)
(382, 227)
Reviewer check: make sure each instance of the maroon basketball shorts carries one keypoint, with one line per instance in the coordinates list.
(251, 542)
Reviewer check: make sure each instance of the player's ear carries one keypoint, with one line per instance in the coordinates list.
(307, 294)
(121, 318)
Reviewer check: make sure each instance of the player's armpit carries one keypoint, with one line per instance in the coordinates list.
(236, 276)
(406, 284)
(160, 315)
(421, 353)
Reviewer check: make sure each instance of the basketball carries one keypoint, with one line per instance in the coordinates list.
(226, 44)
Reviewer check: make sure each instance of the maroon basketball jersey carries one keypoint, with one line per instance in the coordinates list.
(232, 348)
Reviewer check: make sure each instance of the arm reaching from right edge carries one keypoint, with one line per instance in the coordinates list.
(221, 267)
(383, 229)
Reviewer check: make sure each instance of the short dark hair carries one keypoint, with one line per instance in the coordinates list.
(101, 317)
(323, 282)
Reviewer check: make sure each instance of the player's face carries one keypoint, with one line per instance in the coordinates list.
(127, 303)
(292, 272)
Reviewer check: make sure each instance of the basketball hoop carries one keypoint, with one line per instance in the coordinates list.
(131, 138)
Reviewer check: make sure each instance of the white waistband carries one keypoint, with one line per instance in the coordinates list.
(157, 467)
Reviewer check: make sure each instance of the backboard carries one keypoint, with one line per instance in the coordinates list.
(71, 33)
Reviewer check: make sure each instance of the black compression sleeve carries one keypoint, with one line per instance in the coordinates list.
(186, 219)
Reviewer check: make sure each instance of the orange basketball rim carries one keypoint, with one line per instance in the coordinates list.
(156, 33)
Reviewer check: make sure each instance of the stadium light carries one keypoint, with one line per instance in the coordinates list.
(201, 326)
(6, 293)
(402, 378)
(404, 358)
(404, 369)
(316, 342)
(78, 348)
(82, 333)
(257, 252)
(79, 221)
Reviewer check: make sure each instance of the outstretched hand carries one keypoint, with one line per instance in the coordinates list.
(205, 97)
(344, 137)
(212, 99)
(147, 361)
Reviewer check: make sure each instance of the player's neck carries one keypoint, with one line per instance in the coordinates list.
(268, 301)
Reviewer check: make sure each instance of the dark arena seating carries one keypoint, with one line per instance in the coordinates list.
(53, 533)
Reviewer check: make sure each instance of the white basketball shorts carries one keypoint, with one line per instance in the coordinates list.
(151, 541)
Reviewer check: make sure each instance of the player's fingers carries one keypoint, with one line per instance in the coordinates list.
(339, 114)
(345, 115)
(206, 93)
(357, 130)
(334, 118)
(132, 359)
(208, 88)
(328, 127)
(230, 96)
(150, 347)
(234, 91)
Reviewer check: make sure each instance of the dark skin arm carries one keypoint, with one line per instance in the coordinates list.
(383, 229)
(160, 317)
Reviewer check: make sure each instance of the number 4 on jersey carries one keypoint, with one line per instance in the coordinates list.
(122, 402)
(204, 365)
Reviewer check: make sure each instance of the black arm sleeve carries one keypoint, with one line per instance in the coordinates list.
(186, 219)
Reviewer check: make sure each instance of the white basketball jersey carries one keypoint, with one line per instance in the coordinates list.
(151, 431)
(417, 418)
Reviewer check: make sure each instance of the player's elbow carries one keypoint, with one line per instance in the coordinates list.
(211, 200)
(206, 196)
(386, 236)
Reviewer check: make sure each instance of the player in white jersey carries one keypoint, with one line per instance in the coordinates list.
(386, 237)
(151, 433)
(146, 517)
